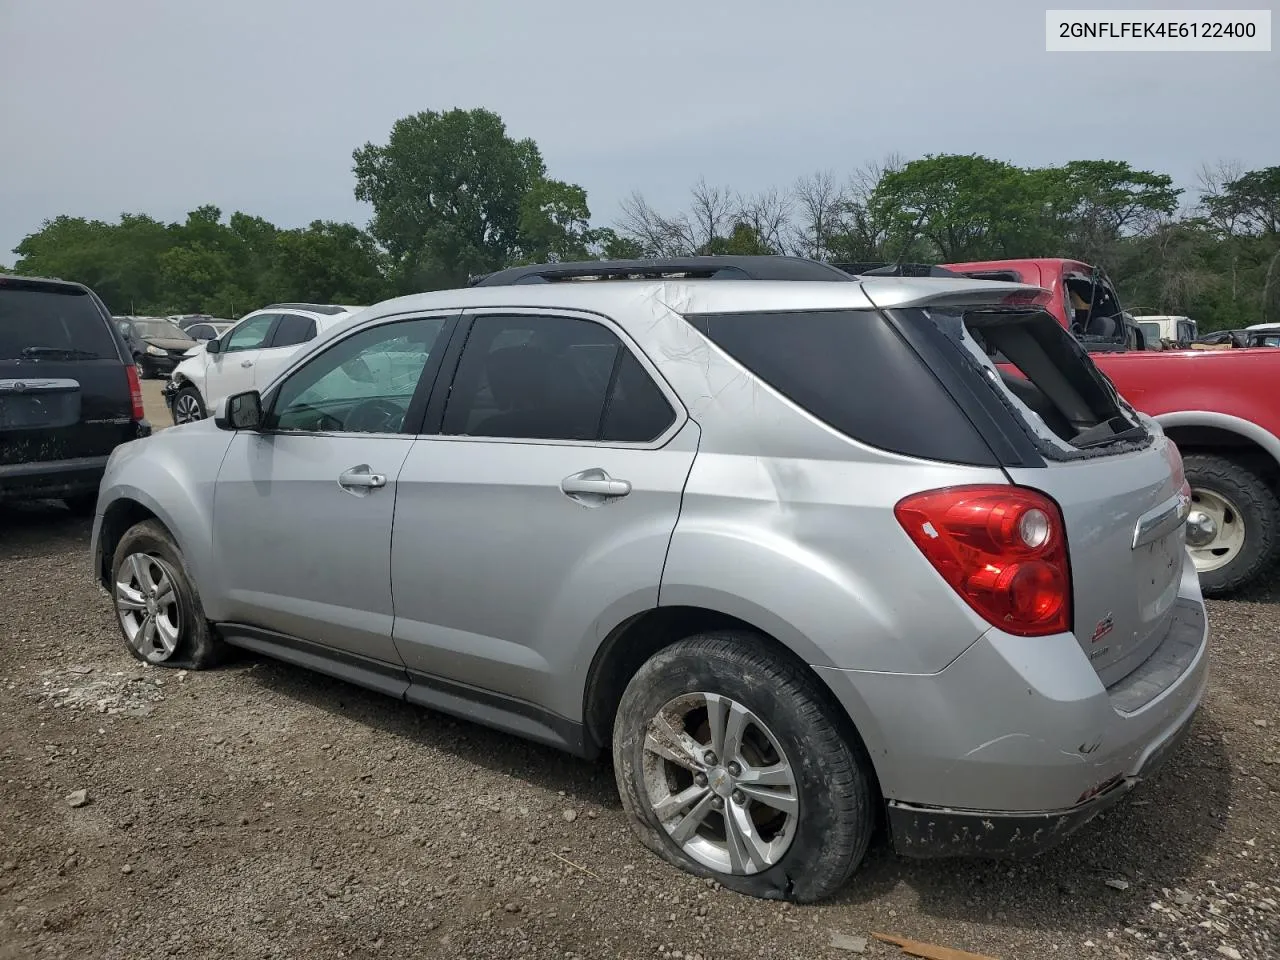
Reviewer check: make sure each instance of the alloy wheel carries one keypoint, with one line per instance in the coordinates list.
(720, 784)
(147, 604)
(186, 408)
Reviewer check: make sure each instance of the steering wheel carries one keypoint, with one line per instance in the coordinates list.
(375, 416)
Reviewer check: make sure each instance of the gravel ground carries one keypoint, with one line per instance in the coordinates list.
(261, 811)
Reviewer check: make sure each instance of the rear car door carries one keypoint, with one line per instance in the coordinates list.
(540, 515)
(292, 330)
(303, 506)
(66, 395)
(232, 369)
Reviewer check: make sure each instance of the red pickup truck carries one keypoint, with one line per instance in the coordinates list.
(1221, 408)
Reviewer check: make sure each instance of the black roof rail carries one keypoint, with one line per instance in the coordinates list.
(877, 268)
(709, 268)
(328, 309)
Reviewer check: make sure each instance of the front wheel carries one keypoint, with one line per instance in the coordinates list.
(733, 765)
(187, 407)
(1232, 528)
(156, 602)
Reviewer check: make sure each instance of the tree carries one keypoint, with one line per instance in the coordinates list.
(1092, 204)
(555, 222)
(328, 262)
(449, 194)
(965, 207)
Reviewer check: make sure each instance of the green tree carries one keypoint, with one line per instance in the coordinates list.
(555, 222)
(328, 262)
(965, 207)
(448, 192)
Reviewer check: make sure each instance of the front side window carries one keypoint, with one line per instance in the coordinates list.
(362, 384)
(251, 334)
(553, 378)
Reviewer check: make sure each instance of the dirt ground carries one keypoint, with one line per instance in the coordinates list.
(259, 811)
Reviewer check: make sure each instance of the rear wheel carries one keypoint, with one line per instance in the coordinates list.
(187, 406)
(156, 602)
(1232, 529)
(732, 765)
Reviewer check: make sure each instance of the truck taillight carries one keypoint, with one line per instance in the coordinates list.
(135, 392)
(1003, 549)
(1027, 298)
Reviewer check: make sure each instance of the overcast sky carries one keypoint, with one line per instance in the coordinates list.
(158, 106)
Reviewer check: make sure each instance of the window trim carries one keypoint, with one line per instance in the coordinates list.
(436, 407)
(427, 381)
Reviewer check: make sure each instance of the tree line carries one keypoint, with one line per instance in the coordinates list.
(454, 195)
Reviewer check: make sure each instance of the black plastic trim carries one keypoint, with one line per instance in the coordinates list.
(767, 267)
(484, 707)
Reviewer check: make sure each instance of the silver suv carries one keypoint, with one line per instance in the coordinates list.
(797, 553)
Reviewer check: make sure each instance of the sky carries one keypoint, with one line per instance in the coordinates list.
(160, 106)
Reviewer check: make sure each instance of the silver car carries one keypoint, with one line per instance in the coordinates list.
(797, 554)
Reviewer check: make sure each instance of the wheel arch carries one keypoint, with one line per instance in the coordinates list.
(1201, 431)
(631, 643)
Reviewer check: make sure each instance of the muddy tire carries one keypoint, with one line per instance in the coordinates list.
(1233, 530)
(733, 764)
(157, 606)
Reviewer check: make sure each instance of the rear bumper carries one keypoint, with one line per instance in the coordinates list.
(1017, 742)
(51, 479)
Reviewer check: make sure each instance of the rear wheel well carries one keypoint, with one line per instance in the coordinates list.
(1225, 443)
(119, 518)
(634, 641)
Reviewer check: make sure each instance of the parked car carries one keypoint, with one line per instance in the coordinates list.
(671, 518)
(208, 329)
(1219, 407)
(69, 391)
(157, 344)
(249, 353)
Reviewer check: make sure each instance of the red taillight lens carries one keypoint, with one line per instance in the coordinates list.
(1003, 549)
(1025, 298)
(135, 392)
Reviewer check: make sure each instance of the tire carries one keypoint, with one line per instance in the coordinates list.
(188, 395)
(180, 636)
(82, 504)
(805, 855)
(1245, 514)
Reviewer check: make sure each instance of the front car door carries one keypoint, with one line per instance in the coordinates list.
(303, 507)
(538, 518)
(231, 369)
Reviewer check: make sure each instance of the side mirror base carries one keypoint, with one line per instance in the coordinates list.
(213, 346)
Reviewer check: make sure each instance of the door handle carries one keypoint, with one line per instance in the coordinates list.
(594, 483)
(359, 478)
(246, 363)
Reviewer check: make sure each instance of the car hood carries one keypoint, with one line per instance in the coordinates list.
(169, 343)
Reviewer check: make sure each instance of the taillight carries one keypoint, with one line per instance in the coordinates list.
(1027, 298)
(135, 391)
(1003, 549)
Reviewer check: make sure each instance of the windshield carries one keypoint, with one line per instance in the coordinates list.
(52, 324)
(159, 330)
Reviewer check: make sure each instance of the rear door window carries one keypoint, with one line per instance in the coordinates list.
(553, 378)
(292, 330)
(52, 323)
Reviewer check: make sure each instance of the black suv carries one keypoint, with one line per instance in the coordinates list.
(69, 391)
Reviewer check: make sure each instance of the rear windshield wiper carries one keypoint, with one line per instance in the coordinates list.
(62, 353)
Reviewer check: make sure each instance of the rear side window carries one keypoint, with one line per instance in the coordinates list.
(293, 330)
(855, 373)
(553, 378)
(52, 323)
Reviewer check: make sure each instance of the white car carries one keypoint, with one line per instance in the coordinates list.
(247, 356)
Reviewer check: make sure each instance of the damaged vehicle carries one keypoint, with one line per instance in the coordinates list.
(797, 554)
